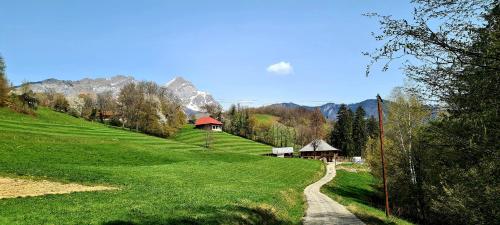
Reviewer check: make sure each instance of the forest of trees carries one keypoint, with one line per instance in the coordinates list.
(294, 128)
(446, 169)
(352, 131)
(297, 127)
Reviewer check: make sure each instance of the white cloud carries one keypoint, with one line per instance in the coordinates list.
(281, 68)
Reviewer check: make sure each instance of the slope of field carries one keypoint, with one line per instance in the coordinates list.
(220, 141)
(160, 181)
(354, 187)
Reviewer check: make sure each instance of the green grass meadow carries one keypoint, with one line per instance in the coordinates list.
(354, 187)
(220, 141)
(161, 181)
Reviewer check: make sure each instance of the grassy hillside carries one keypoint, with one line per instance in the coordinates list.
(220, 141)
(353, 186)
(161, 181)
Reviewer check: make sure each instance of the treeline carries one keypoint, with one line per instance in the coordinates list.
(294, 128)
(149, 108)
(297, 127)
(350, 132)
(144, 107)
(444, 170)
(24, 102)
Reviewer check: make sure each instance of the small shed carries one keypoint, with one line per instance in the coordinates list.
(318, 149)
(285, 152)
(208, 123)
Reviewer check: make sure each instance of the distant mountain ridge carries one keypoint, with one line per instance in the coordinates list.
(191, 98)
(330, 110)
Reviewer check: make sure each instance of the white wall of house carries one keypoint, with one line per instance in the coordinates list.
(216, 127)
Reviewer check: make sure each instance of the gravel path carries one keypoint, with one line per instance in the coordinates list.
(322, 209)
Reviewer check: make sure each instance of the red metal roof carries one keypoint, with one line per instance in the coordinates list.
(207, 120)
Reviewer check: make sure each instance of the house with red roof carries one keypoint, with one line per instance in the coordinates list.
(208, 123)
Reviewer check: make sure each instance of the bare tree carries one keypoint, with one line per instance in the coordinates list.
(315, 144)
(130, 100)
(4, 86)
(208, 139)
(317, 122)
(60, 103)
(105, 104)
(213, 109)
(150, 108)
(89, 106)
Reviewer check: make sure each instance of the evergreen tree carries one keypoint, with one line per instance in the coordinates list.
(342, 132)
(359, 131)
(372, 127)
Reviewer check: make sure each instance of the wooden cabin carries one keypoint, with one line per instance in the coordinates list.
(319, 149)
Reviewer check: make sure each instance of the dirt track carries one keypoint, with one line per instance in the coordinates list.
(322, 209)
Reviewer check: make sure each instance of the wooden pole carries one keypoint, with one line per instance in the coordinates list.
(381, 126)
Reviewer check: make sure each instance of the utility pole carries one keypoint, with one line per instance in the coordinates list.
(381, 135)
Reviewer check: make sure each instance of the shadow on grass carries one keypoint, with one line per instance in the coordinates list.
(210, 215)
(356, 194)
(365, 197)
(368, 219)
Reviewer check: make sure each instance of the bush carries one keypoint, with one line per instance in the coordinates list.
(73, 112)
(115, 121)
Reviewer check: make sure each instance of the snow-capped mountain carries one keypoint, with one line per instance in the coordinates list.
(191, 98)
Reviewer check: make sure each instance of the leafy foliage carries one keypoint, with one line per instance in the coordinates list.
(456, 61)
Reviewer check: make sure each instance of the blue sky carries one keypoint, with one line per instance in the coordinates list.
(223, 47)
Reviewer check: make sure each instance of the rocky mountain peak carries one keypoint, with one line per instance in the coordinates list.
(191, 98)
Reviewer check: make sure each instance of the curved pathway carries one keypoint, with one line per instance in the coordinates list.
(322, 209)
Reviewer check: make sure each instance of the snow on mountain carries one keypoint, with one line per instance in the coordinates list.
(191, 98)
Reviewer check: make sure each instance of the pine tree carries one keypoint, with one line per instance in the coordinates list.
(359, 131)
(372, 127)
(342, 132)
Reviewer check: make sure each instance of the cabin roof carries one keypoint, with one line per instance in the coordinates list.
(285, 150)
(322, 147)
(207, 120)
